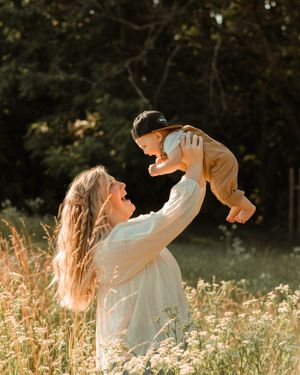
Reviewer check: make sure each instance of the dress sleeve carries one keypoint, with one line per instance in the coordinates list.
(133, 244)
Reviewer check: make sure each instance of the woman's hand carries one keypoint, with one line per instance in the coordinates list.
(192, 148)
(192, 155)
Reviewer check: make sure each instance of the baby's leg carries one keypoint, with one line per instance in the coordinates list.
(234, 211)
(223, 182)
(247, 209)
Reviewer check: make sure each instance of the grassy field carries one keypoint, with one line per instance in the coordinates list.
(260, 266)
(246, 326)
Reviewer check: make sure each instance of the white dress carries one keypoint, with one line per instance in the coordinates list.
(138, 278)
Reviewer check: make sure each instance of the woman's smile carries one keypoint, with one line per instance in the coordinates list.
(121, 208)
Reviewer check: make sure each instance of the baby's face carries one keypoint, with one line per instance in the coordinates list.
(150, 144)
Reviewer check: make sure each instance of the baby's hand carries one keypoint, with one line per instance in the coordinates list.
(158, 160)
(152, 170)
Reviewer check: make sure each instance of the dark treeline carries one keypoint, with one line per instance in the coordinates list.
(74, 74)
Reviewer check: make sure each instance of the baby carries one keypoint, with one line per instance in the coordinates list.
(156, 137)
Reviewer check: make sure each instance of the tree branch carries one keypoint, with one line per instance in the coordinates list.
(165, 74)
(136, 87)
(215, 77)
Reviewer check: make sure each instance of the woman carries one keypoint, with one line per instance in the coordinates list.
(138, 280)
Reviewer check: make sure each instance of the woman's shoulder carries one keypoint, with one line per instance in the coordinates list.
(127, 230)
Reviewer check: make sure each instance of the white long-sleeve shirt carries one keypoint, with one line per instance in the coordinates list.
(138, 278)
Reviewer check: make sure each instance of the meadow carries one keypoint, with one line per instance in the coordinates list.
(244, 303)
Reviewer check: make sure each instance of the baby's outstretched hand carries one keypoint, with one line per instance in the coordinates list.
(152, 170)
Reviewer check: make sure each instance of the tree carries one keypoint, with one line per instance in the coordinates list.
(72, 85)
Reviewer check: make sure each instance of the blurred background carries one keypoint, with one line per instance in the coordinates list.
(75, 74)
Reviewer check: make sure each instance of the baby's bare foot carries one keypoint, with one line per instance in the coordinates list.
(234, 211)
(244, 215)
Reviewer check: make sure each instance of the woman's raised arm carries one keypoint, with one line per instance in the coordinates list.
(133, 244)
(192, 155)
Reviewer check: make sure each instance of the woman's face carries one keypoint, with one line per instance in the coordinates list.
(120, 209)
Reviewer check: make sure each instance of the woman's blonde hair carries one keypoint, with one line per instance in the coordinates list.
(82, 223)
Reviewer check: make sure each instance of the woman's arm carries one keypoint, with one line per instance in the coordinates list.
(191, 144)
(133, 244)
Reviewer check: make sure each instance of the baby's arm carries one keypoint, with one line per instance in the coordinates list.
(170, 165)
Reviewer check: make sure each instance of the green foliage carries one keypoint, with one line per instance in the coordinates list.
(33, 226)
(231, 68)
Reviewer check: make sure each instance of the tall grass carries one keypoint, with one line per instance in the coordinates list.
(233, 332)
(37, 336)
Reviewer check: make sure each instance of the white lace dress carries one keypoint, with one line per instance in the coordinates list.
(139, 281)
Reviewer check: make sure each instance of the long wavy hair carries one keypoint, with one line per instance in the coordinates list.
(82, 224)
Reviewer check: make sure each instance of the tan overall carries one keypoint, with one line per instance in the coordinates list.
(220, 169)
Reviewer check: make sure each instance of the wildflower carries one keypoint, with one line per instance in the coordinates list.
(250, 302)
(135, 365)
(210, 319)
(221, 346)
(210, 348)
(186, 369)
(272, 295)
(284, 289)
(246, 342)
(283, 308)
